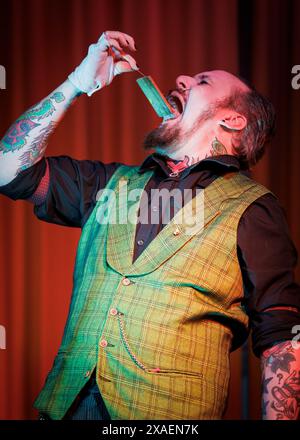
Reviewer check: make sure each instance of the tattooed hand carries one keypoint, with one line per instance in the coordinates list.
(281, 382)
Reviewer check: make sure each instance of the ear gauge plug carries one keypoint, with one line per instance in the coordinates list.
(226, 127)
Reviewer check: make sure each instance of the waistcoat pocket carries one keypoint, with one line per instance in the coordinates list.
(141, 365)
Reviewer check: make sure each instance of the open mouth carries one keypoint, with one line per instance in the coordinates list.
(176, 102)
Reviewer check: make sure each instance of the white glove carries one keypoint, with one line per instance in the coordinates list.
(105, 60)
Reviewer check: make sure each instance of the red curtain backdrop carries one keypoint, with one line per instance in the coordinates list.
(41, 42)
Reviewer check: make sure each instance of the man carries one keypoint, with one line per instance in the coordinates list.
(157, 306)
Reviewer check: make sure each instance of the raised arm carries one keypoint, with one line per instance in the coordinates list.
(25, 141)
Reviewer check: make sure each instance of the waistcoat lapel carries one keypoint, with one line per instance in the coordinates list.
(204, 207)
(121, 231)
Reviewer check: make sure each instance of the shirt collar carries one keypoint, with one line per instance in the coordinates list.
(225, 161)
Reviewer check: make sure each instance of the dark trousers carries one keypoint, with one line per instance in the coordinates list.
(88, 405)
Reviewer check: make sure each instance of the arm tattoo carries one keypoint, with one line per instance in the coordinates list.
(281, 382)
(15, 138)
(37, 148)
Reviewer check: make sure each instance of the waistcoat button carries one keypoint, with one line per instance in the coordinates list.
(87, 373)
(126, 282)
(103, 343)
(113, 312)
(176, 232)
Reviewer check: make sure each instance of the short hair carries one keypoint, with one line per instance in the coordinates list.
(249, 144)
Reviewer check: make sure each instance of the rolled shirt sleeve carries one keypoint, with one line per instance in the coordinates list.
(71, 191)
(26, 182)
(268, 259)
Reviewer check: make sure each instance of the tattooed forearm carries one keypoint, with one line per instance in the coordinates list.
(25, 141)
(281, 382)
(15, 138)
(37, 148)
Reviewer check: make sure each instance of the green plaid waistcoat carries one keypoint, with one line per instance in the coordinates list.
(159, 330)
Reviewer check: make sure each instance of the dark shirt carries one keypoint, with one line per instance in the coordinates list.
(266, 253)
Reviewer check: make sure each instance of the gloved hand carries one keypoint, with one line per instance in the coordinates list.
(105, 60)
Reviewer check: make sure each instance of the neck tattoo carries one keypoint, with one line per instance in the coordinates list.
(217, 148)
(179, 165)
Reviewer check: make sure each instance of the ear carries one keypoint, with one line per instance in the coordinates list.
(233, 122)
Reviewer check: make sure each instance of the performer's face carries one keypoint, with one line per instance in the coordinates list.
(196, 100)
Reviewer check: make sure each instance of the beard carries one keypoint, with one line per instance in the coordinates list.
(165, 138)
